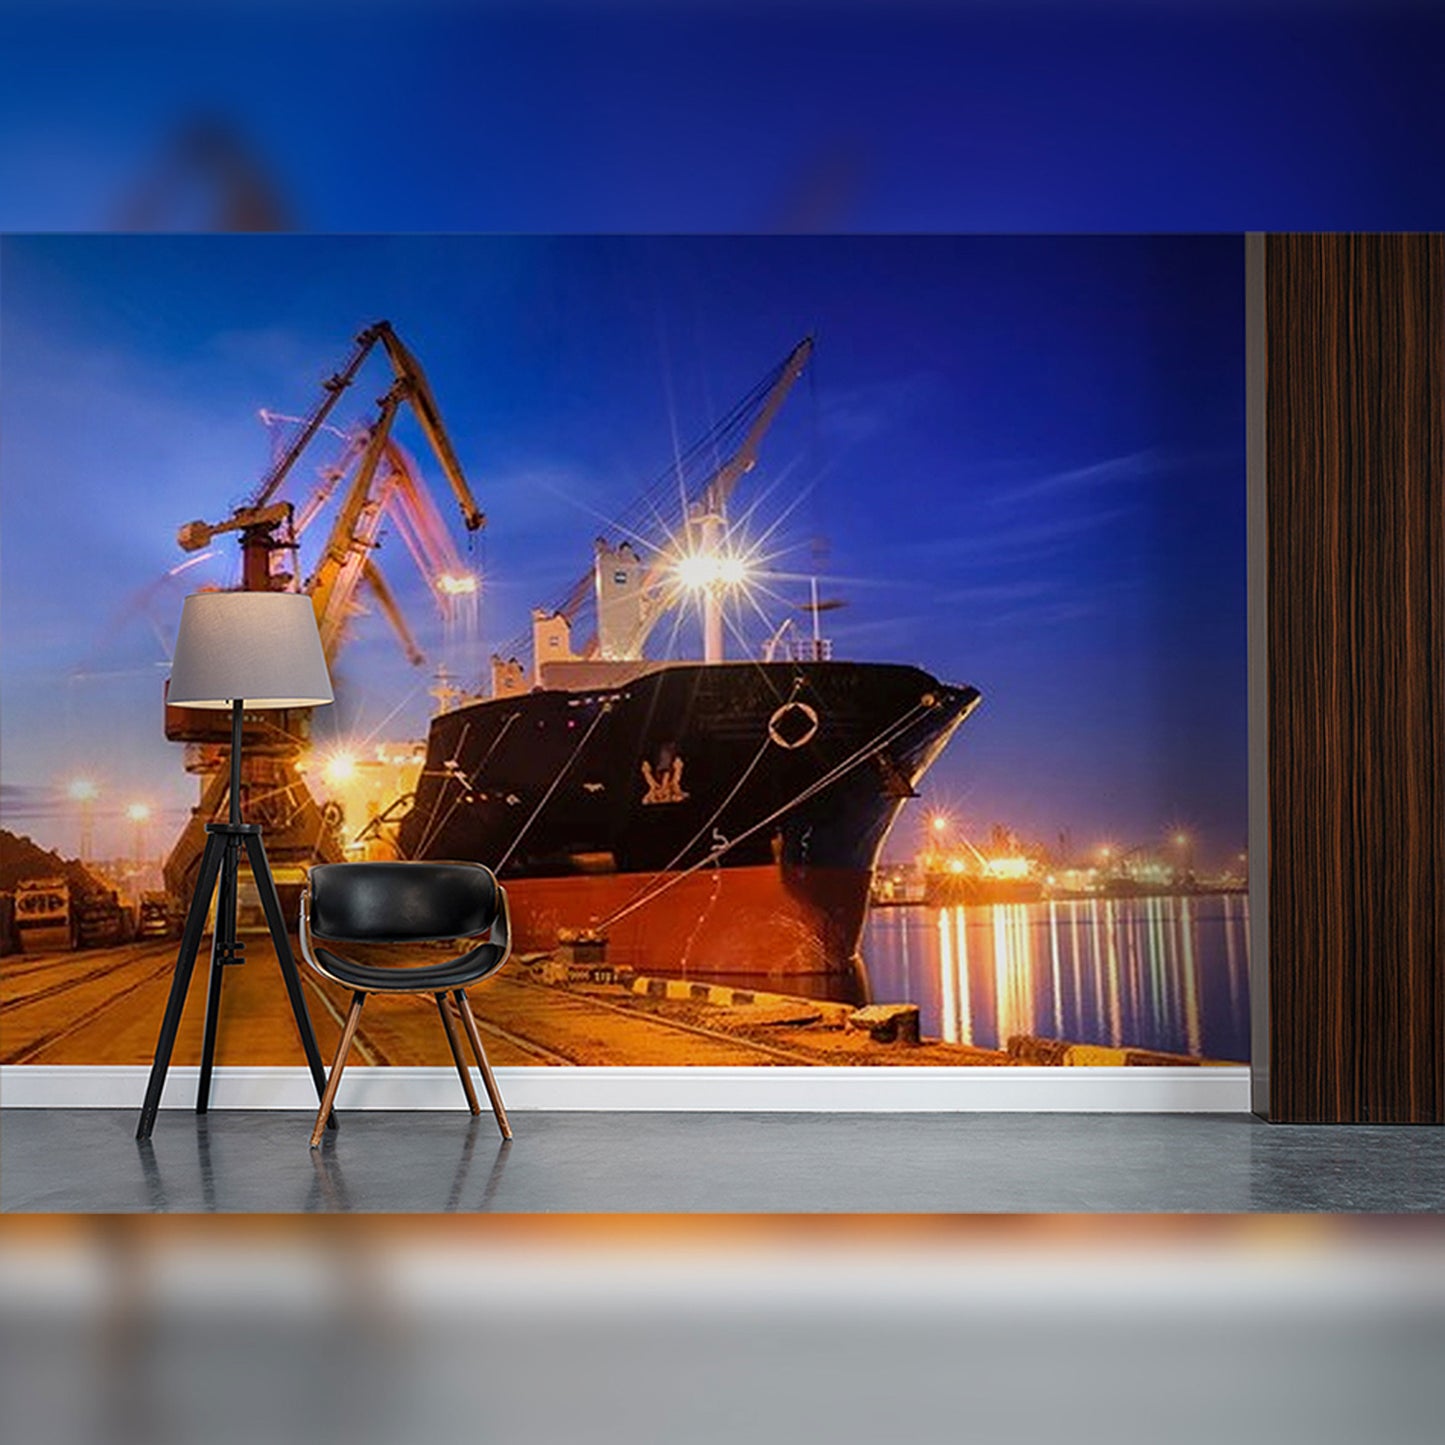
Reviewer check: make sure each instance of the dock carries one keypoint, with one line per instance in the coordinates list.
(104, 1006)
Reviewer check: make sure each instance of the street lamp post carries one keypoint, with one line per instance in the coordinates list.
(83, 792)
(1182, 843)
(139, 815)
(938, 826)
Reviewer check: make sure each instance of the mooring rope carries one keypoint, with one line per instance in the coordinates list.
(556, 783)
(432, 825)
(722, 806)
(861, 755)
(465, 784)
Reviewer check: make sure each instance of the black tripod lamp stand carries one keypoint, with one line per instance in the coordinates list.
(236, 651)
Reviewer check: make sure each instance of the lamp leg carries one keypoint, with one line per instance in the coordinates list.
(474, 1034)
(222, 945)
(180, 983)
(271, 903)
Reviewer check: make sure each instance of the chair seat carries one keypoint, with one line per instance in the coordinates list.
(430, 978)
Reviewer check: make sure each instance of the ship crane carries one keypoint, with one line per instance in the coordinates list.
(705, 528)
(707, 520)
(632, 597)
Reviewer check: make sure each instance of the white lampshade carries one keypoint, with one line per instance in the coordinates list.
(259, 647)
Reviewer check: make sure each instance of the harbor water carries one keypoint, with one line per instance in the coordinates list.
(1167, 973)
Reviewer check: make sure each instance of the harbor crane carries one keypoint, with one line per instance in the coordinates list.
(266, 525)
(385, 484)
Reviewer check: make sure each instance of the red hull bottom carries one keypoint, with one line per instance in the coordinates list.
(799, 925)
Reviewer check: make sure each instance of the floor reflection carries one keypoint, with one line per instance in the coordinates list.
(481, 1160)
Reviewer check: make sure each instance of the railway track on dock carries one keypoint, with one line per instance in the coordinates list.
(104, 1007)
(122, 973)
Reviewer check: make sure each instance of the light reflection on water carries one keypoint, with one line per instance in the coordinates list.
(1150, 973)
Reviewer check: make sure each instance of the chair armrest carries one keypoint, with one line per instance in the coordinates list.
(304, 932)
(501, 932)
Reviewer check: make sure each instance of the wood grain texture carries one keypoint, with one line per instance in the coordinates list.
(1355, 447)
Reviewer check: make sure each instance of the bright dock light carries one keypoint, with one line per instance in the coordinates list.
(457, 584)
(138, 812)
(938, 823)
(83, 790)
(339, 768)
(1011, 868)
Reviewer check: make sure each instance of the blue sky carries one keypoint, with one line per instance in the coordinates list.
(1025, 455)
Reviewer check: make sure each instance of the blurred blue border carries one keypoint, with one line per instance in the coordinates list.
(798, 115)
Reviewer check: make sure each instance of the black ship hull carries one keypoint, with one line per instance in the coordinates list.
(714, 820)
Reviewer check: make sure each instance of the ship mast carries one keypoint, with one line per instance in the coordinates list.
(711, 531)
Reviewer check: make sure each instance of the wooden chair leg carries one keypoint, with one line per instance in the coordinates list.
(342, 1049)
(450, 1025)
(493, 1093)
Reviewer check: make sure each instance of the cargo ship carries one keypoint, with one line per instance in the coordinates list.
(719, 820)
(716, 819)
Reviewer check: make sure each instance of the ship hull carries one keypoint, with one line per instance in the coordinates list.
(749, 926)
(718, 820)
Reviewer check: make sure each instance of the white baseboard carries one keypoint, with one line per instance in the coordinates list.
(737, 1090)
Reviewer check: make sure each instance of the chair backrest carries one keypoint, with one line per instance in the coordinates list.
(401, 902)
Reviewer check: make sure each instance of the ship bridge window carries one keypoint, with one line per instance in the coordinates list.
(619, 579)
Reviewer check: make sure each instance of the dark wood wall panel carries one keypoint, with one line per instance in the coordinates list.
(1355, 468)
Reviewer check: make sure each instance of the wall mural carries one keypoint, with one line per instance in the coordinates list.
(836, 645)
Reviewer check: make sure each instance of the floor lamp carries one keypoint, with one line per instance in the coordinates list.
(237, 650)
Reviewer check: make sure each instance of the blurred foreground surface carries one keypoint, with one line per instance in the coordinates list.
(789, 1329)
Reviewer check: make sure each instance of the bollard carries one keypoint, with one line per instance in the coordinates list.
(887, 1023)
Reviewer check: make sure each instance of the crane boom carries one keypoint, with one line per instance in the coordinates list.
(423, 403)
(333, 584)
(391, 610)
(331, 390)
(719, 487)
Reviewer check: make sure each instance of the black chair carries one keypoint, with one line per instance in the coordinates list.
(408, 903)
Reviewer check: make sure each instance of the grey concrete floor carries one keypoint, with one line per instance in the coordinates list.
(393, 1162)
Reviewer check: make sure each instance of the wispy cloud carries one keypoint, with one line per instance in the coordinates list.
(1050, 614)
(1093, 475)
(857, 414)
(1148, 463)
(1014, 542)
(997, 593)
